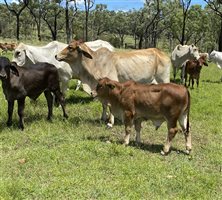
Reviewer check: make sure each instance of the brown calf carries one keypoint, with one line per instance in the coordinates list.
(193, 68)
(7, 47)
(134, 102)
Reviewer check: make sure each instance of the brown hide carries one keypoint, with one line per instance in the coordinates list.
(135, 102)
(193, 68)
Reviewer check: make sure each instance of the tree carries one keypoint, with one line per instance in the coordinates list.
(50, 15)
(17, 10)
(88, 5)
(100, 19)
(70, 18)
(121, 25)
(36, 9)
(216, 6)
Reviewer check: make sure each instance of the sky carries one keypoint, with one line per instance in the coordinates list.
(123, 5)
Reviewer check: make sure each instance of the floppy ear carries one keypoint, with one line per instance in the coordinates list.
(29, 55)
(14, 70)
(110, 85)
(86, 54)
(179, 46)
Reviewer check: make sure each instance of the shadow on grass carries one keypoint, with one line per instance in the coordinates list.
(152, 148)
(78, 99)
(210, 81)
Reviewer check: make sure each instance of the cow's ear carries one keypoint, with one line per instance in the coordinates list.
(179, 46)
(14, 70)
(110, 85)
(29, 55)
(85, 53)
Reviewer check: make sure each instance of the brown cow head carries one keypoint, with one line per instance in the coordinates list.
(73, 51)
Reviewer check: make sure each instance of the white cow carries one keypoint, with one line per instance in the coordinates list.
(181, 54)
(145, 66)
(216, 57)
(24, 54)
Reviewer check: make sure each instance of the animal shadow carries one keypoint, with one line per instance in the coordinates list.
(78, 100)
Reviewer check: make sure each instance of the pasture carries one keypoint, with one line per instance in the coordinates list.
(79, 158)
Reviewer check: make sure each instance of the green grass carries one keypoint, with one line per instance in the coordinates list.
(79, 158)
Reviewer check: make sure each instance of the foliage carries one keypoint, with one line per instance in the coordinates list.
(157, 23)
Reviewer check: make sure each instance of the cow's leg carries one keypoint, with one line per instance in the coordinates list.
(49, 99)
(189, 81)
(182, 75)
(192, 80)
(104, 115)
(185, 77)
(128, 121)
(186, 130)
(138, 127)
(78, 85)
(61, 99)
(174, 73)
(10, 112)
(172, 130)
(111, 120)
(197, 82)
(21, 106)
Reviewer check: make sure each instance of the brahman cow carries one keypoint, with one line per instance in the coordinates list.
(145, 66)
(19, 82)
(25, 54)
(216, 57)
(135, 102)
(181, 54)
(193, 68)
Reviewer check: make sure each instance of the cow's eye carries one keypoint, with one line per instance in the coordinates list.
(17, 53)
(98, 87)
(70, 48)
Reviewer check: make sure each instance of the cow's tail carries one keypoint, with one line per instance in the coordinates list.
(188, 112)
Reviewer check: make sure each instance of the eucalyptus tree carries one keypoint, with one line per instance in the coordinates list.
(88, 4)
(216, 6)
(101, 20)
(120, 25)
(16, 9)
(51, 12)
(36, 9)
(196, 30)
(70, 14)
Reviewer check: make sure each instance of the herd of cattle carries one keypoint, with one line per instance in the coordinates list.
(134, 85)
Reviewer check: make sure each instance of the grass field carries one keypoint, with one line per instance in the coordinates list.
(79, 158)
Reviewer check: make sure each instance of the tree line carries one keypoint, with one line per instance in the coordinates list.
(160, 23)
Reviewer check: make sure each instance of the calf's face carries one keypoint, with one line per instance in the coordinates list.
(5, 67)
(72, 53)
(104, 88)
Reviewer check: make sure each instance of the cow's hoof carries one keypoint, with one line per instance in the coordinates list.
(109, 125)
(164, 153)
(187, 151)
(9, 124)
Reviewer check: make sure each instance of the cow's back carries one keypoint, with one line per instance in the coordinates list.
(144, 66)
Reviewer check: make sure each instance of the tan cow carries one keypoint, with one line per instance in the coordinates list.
(135, 102)
(144, 66)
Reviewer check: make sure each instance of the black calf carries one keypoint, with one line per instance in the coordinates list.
(18, 82)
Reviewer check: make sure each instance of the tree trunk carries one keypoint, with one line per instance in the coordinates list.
(68, 30)
(220, 37)
(141, 41)
(17, 27)
(86, 27)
